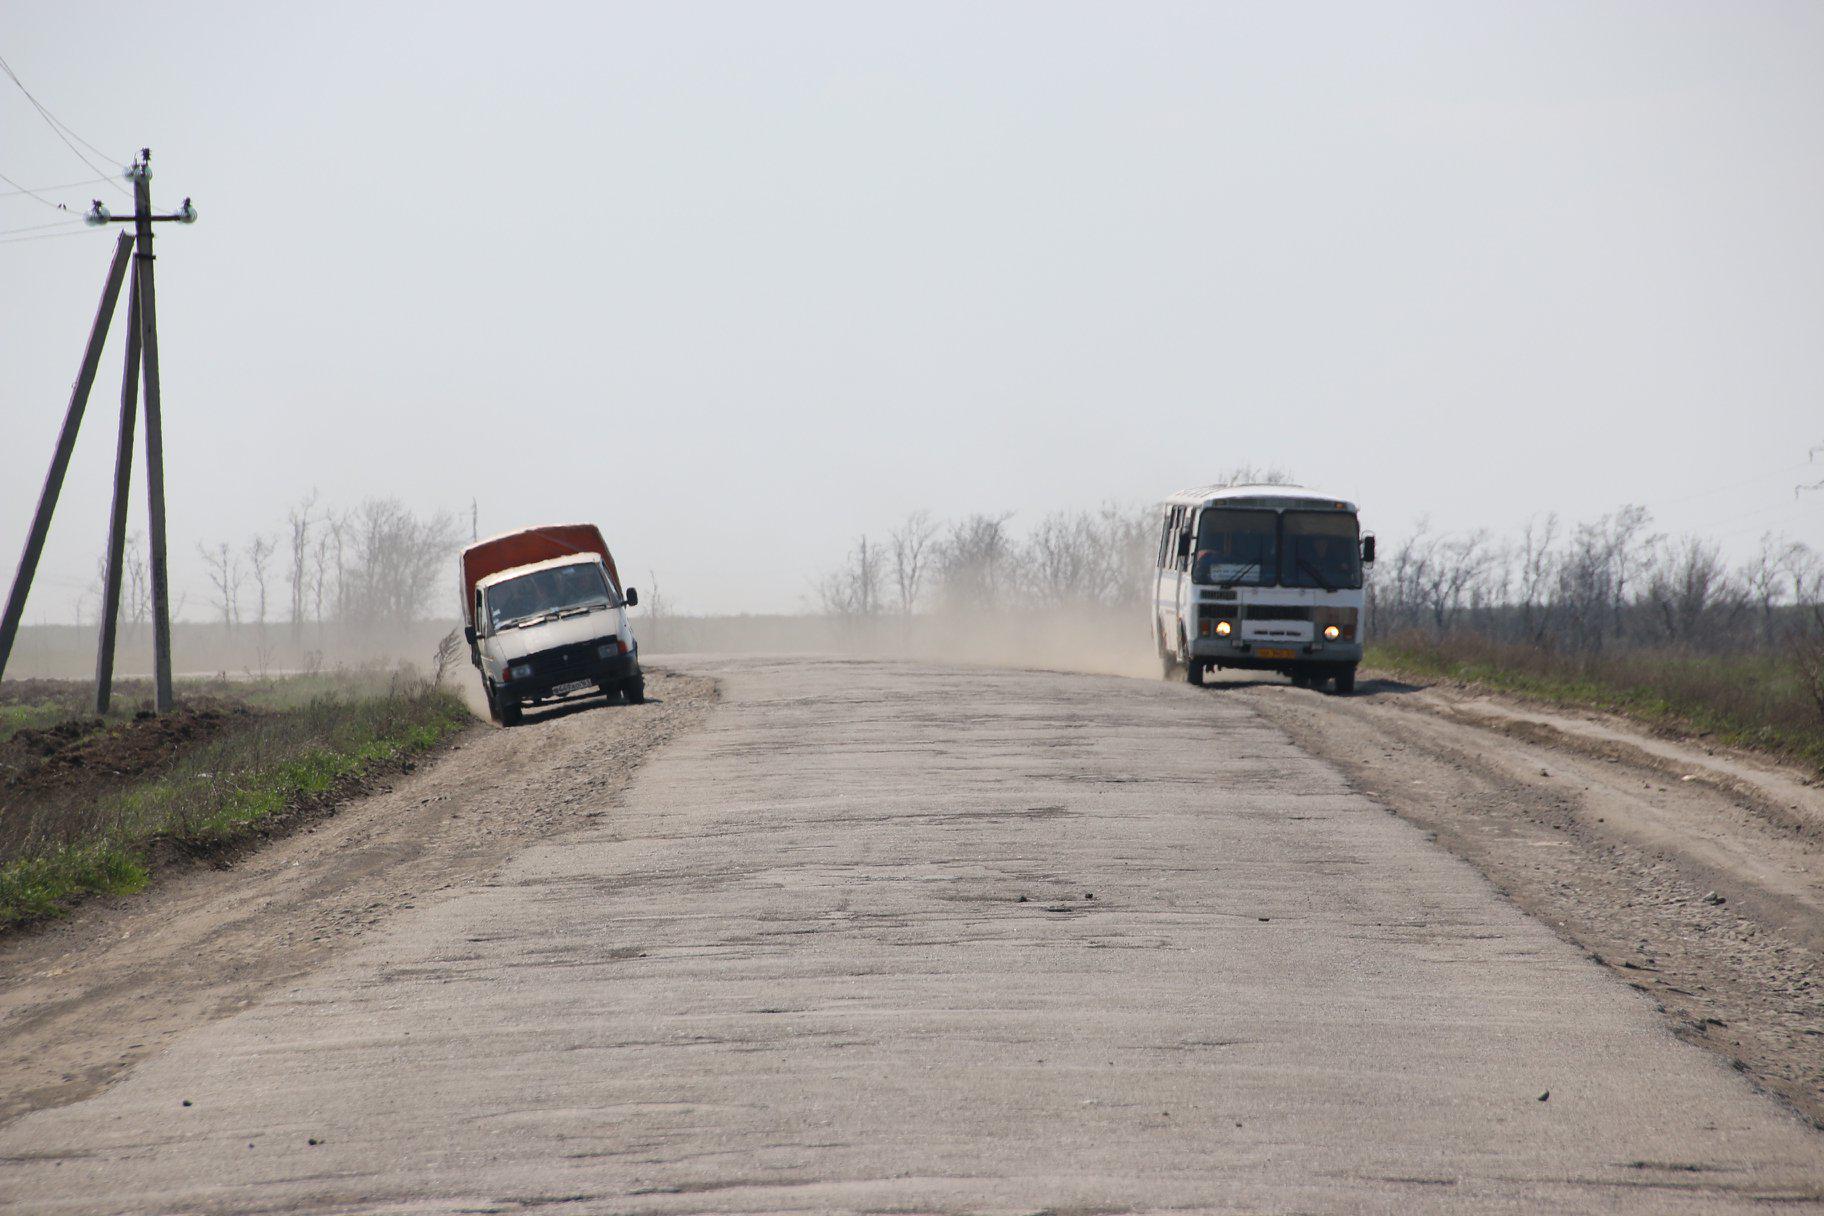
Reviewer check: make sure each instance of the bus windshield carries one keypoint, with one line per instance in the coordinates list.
(1236, 548)
(1320, 549)
(542, 593)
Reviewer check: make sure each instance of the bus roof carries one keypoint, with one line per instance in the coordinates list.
(1277, 497)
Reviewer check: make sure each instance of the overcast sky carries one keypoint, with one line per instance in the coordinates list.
(741, 282)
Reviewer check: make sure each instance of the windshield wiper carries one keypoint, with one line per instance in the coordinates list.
(1313, 571)
(1241, 574)
(533, 618)
(580, 609)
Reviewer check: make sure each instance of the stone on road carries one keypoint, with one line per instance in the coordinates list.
(836, 951)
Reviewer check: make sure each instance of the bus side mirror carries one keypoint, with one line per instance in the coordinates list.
(1368, 549)
(468, 634)
(1184, 545)
(631, 597)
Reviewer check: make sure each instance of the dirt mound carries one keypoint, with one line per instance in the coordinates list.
(80, 752)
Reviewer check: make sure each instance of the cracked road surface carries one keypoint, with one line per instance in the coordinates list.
(892, 936)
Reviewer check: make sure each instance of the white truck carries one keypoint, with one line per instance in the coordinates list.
(546, 619)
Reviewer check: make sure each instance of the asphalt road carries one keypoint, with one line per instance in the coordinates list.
(896, 937)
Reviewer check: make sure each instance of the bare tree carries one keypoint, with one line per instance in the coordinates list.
(1250, 474)
(259, 560)
(398, 557)
(225, 574)
(974, 563)
(300, 519)
(1538, 564)
(137, 588)
(1690, 590)
(854, 589)
(911, 544)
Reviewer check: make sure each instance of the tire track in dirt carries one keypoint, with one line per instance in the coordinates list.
(84, 999)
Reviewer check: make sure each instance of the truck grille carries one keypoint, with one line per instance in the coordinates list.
(560, 660)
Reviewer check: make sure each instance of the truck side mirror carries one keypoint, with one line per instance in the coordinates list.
(468, 633)
(1368, 549)
(631, 597)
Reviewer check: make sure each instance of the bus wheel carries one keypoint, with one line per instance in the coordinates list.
(1193, 672)
(1345, 680)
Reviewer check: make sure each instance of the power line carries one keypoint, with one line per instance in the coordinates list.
(58, 128)
(33, 193)
(42, 236)
(87, 181)
(40, 227)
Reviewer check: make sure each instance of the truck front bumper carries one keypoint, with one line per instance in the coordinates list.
(543, 683)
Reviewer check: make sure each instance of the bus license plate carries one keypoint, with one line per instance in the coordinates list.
(573, 686)
(1274, 652)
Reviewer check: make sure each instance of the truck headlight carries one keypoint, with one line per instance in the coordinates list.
(609, 650)
(1223, 629)
(1332, 632)
(519, 671)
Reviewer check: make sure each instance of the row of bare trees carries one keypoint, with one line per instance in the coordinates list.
(979, 563)
(376, 563)
(1594, 586)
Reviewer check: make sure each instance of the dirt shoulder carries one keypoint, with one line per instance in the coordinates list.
(83, 999)
(1695, 873)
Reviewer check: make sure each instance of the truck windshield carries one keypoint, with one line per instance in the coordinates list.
(544, 592)
(1236, 548)
(1320, 549)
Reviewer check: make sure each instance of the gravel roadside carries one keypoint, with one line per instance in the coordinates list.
(1694, 873)
(85, 998)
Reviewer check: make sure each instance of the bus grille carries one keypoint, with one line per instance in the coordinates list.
(1279, 612)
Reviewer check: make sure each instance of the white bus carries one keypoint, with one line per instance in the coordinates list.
(1261, 577)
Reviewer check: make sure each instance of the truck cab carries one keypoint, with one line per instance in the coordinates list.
(545, 617)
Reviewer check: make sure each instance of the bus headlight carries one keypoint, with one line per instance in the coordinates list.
(1332, 632)
(1223, 629)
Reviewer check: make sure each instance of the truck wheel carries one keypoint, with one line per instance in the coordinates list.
(509, 711)
(487, 689)
(635, 690)
(1345, 680)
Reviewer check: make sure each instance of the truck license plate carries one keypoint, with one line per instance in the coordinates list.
(1274, 652)
(573, 686)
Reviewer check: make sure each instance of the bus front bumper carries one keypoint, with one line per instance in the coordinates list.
(1275, 656)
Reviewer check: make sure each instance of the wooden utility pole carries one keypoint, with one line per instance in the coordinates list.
(142, 360)
(147, 299)
(117, 520)
(66, 443)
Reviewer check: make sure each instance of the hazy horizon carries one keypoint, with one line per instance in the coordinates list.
(740, 284)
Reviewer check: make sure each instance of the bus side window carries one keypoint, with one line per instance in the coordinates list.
(1165, 541)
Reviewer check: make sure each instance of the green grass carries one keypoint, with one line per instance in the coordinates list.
(1755, 701)
(31, 715)
(309, 742)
